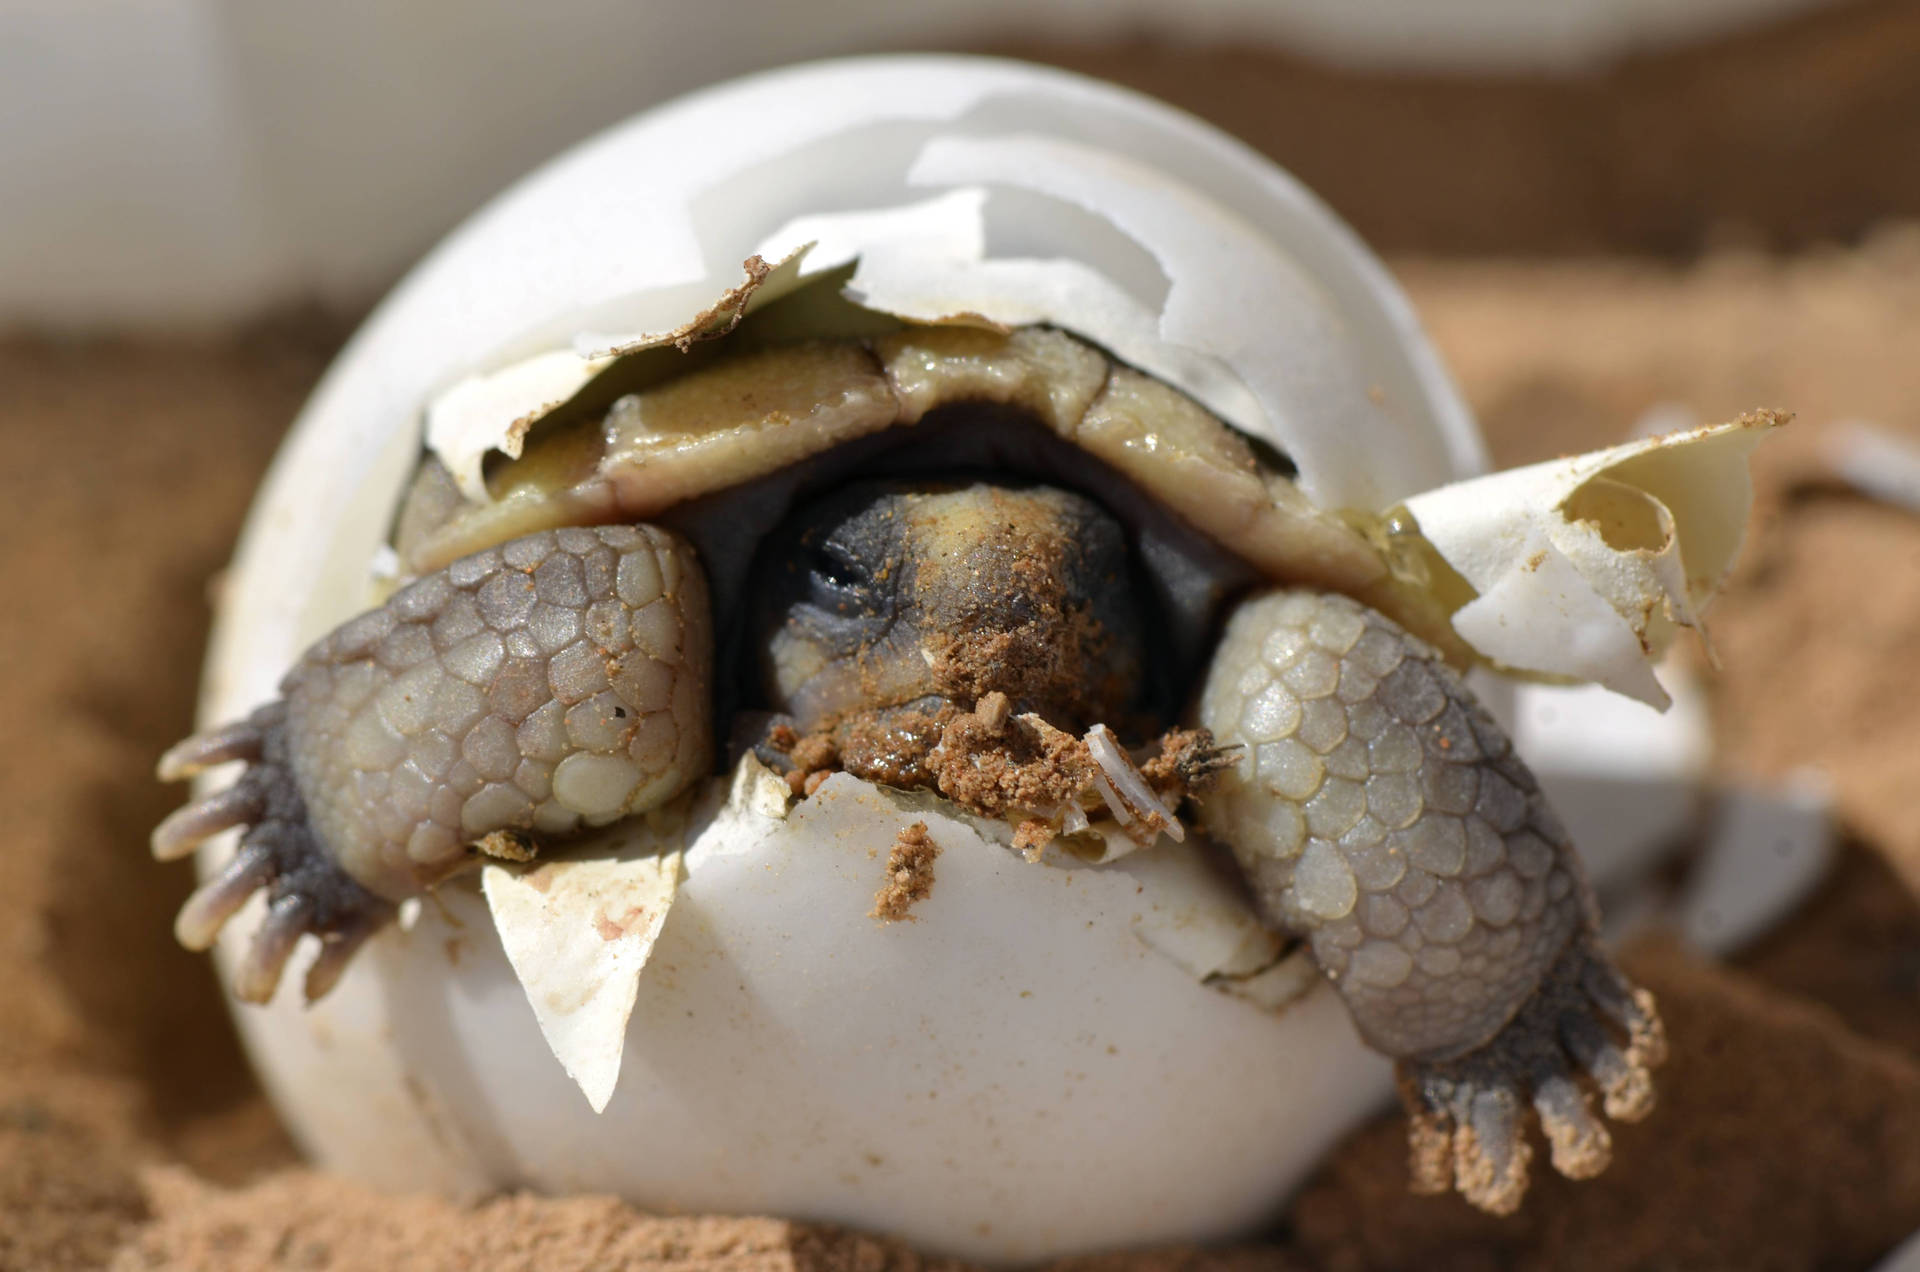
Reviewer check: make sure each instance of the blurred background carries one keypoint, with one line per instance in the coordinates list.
(200, 161)
(1607, 212)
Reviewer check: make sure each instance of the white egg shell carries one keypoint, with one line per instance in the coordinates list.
(1015, 1073)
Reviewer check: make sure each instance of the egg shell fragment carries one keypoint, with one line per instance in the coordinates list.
(787, 1048)
(1585, 566)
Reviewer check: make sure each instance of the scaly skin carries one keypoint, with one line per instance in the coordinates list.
(1382, 814)
(557, 682)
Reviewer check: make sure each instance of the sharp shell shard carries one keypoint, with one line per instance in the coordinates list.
(578, 933)
(1038, 1022)
(1583, 567)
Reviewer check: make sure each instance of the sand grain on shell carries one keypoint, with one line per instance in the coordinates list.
(909, 874)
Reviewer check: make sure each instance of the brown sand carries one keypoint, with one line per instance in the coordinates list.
(132, 1135)
(909, 874)
(1783, 1141)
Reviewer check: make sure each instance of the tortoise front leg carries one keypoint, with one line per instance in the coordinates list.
(1380, 812)
(554, 683)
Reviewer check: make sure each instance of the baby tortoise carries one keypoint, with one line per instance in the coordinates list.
(996, 565)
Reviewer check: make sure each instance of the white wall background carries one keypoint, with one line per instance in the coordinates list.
(185, 162)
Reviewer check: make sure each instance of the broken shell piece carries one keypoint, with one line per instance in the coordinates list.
(1125, 790)
(495, 410)
(1582, 567)
(1875, 461)
(1765, 849)
(578, 931)
(1633, 778)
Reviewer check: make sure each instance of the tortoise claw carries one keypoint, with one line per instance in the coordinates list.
(185, 829)
(308, 891)
(1585, 1026)
(207, 910)
(241, 740)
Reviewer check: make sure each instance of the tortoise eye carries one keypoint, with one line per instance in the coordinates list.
(832, 566)
(839, 581)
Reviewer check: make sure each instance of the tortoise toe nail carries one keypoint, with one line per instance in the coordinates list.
(1580, 1144)
(1490, 1151)
(185, 829)
(258, 974)
(336, 953)
(208, 910)
(241, 740)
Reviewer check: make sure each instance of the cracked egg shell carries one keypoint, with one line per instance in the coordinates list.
(1032, 1066)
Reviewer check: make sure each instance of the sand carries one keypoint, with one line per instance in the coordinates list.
(909, 875)
(1777, 136)
(133, 1136)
